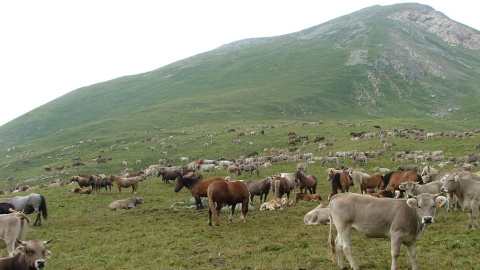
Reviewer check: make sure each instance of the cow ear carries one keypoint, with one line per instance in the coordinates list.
(412, 203)
(48, 254)
(440, 201)
(21, 249)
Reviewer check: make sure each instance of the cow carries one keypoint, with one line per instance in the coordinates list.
(32, 255)
(413, 188)
(320, 215)
(13, 226)
(467, 190)
(125, 204)
(402, 220)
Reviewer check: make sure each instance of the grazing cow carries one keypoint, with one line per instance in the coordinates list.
(414, 168)
(12, 227)
(320, 215)
(32, 255)
(403, 221)
(125, 204)
(464, 186)
(260, 188)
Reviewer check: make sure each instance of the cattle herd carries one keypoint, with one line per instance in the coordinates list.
(395, 203)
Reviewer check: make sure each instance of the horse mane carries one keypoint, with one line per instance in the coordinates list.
(335, 182)
(189, 181)
(420, 179)
(386, 178)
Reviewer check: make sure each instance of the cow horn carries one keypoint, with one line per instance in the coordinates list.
(48, 241)
(411, 196)
(21, 242)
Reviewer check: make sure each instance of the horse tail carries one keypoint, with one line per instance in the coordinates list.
(420, 179)
(277, 189)
(335, 182)
(43, 207)
(386, 179)
(211, 204)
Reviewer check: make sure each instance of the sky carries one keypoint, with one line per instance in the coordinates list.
(49, 48)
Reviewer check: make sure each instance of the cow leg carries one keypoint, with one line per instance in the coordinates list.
(395, 251)
(344, 235)
(474, 217)
(411, 254)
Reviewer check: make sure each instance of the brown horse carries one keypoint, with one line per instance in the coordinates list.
(375, 182)
(282, 185)
(125, 182)
(307, 182)
(198, 188)
(170, 175)
(230, 193)
(339, 180)
(394, 179)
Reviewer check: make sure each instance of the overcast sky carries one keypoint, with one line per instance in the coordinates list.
(49, 48)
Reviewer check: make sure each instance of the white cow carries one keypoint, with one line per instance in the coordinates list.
(320, 215)
(403, 221)
(12, 227)
(467, 191)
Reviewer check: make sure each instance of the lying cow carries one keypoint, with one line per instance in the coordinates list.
(307, 197)
(125, 204)
(402, 220)
(318, 216)
(32, 255)
(12, 227)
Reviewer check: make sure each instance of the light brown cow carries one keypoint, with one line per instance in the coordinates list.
(12, 227)
(403, 221)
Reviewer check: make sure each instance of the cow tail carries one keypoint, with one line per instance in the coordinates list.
(331, 240)
(211, 204)
(277, 189)
(43, 207)
(24, 223)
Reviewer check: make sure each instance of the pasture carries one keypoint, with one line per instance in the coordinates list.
(87, 235)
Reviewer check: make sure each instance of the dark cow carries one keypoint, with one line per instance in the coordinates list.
(32, 256)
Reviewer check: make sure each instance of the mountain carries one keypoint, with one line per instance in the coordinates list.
(398, 61)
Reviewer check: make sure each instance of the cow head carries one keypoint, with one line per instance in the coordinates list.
(450, 182)
(426, 205)
(35, 253)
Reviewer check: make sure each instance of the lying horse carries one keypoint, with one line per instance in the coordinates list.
(306, 182)
(307, 197)
(231, 193)
(198, 188)
(260, 188)
(125, 182)
(31, 203)
(248, 167)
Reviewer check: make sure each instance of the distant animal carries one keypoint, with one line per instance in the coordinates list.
(251, 154)
(403, 221)
(303, 137)
(259, 188)
(81, 191)
(302, 167)
(124, 182)
(307, 197)
(31, 203)
(376, 126)
(32, 255)
(170, 175)
(318, 139)
(47, 168)
(78, 163)
(59, 168)
(198, 188)
(320, 215)
(272, 205)
(248, 167)
(125, 204)
(13, 226)
(306, 182)
(230, 193)
(394, 179)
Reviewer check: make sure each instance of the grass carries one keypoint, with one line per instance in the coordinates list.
(87, 235)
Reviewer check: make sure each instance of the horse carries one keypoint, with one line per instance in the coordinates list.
(170, 175)
(394, 179)
(307, 197)
(251, 154)
(124, 182)
(103, 182)
(364, 181)
(231, 193)
(282, 185)
(31, 203)
(339, 180)
(260, 188)
(83, 181)
(198, 188)
(248, 167)
(307, 182)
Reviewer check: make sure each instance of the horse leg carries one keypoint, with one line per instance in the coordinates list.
(230, 219)
(199, 204)
(38, 221)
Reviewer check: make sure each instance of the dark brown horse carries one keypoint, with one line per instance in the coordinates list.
(307, 182)
(282, 185)
(170, 175)
(125, 182)
(340, 180)
(230, 193)
(394, 179)
(198, 188)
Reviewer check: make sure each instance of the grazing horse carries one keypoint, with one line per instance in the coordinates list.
(260, 188)
(31, 203)
(170, 175)
(339, 180)
(248, 167)
(394, 179)
(83, 181)
(307, 182)
(124, 182)
(230, 193)
(251, 154)
(282, 185)
(198, 188)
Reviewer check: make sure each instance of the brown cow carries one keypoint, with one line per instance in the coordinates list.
(32, 255)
